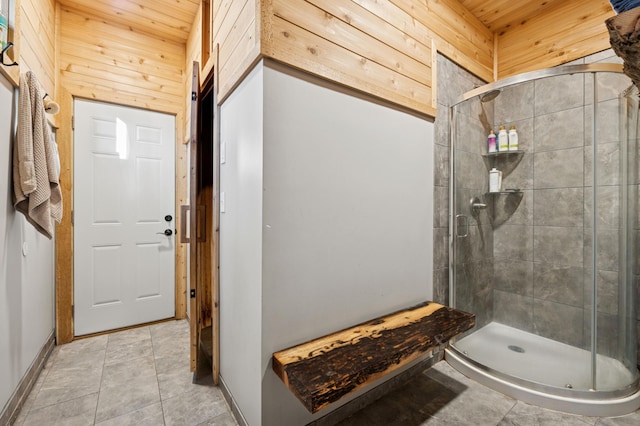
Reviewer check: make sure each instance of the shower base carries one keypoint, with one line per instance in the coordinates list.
(542, 371)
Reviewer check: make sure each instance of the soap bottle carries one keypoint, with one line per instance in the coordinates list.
(4, 28)
(503, 139)
(513, 139)
(495, 180)
(491, 142)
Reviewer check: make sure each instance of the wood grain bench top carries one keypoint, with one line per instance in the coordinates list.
(324, 370)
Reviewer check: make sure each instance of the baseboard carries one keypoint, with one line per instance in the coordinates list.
(377, 392)
(235, 410)
(17, 399)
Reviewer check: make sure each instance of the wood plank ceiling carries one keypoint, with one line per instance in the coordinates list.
(172, 19)
(500, 15)
(169, 20)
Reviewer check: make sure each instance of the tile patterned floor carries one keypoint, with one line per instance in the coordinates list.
(442, 396)
(134, 377)
(141, 377)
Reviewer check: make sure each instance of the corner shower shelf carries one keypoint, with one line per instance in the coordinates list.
(503, 193)
(508, 160)
(503, 153)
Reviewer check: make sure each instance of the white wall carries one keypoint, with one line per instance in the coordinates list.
(328, 222)
(26, 281)
(241, 245)
(347, 235)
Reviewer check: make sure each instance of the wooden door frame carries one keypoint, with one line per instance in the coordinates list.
(64, 231)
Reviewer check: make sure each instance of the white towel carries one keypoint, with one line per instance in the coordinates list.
(35, 178)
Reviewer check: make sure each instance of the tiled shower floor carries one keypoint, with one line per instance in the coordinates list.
(141, 377)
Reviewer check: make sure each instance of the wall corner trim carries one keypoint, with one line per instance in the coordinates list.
(20, 394)
(231, 402)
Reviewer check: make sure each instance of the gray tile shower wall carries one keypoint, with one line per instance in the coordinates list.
(562, 167)
(531, 268)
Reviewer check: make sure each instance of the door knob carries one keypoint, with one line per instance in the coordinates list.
(167, 232)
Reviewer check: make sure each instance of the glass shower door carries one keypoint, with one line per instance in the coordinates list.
(472, 248)
(629, 263)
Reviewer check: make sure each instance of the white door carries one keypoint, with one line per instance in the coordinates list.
(123, 193)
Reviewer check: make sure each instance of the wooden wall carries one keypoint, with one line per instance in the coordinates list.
(384, 48)
(97, 60)
(100, 61)
(193, 52)
(37, 41)
(236, 32)
(567, 30)
(33, 35)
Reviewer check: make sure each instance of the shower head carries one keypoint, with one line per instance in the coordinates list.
(489, 96)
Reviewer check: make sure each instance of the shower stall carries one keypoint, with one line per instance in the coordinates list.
(549, 263)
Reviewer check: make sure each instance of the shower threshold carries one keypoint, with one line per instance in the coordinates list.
(543, 372)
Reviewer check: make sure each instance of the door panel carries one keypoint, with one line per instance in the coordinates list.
(124, 186)
(203, 217)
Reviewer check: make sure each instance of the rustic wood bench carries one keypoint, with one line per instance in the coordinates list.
(326, 369)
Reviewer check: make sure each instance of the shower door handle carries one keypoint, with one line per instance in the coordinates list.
(462, 222)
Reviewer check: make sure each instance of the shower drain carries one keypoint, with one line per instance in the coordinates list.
(516, 349)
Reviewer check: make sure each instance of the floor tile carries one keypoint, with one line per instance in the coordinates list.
(127, 372)
(72, 375)
(524, 414)
(31, 398)
(225, 419)
(632, 419)
(69, 377)
(52, 393)
(170, 341)
(128, 350)
(150, 415)
(194, 407)
(141, 377)
(52, 358)
(170, 328)
(97, 343)
(174, 376)
(129, 336)
(76, 412)
(78, 359)
(117, 400)
(412, 404)
(435, 398)
(483, 405)
(169, 363)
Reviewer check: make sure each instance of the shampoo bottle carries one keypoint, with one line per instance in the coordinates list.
(4, 29)
(503, 139)
(491, 142)
(513, 139)
(495, 180)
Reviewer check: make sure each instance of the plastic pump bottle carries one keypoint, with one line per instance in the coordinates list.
(491, 142)
(513, 139)
(495, 180)
(503, 139)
